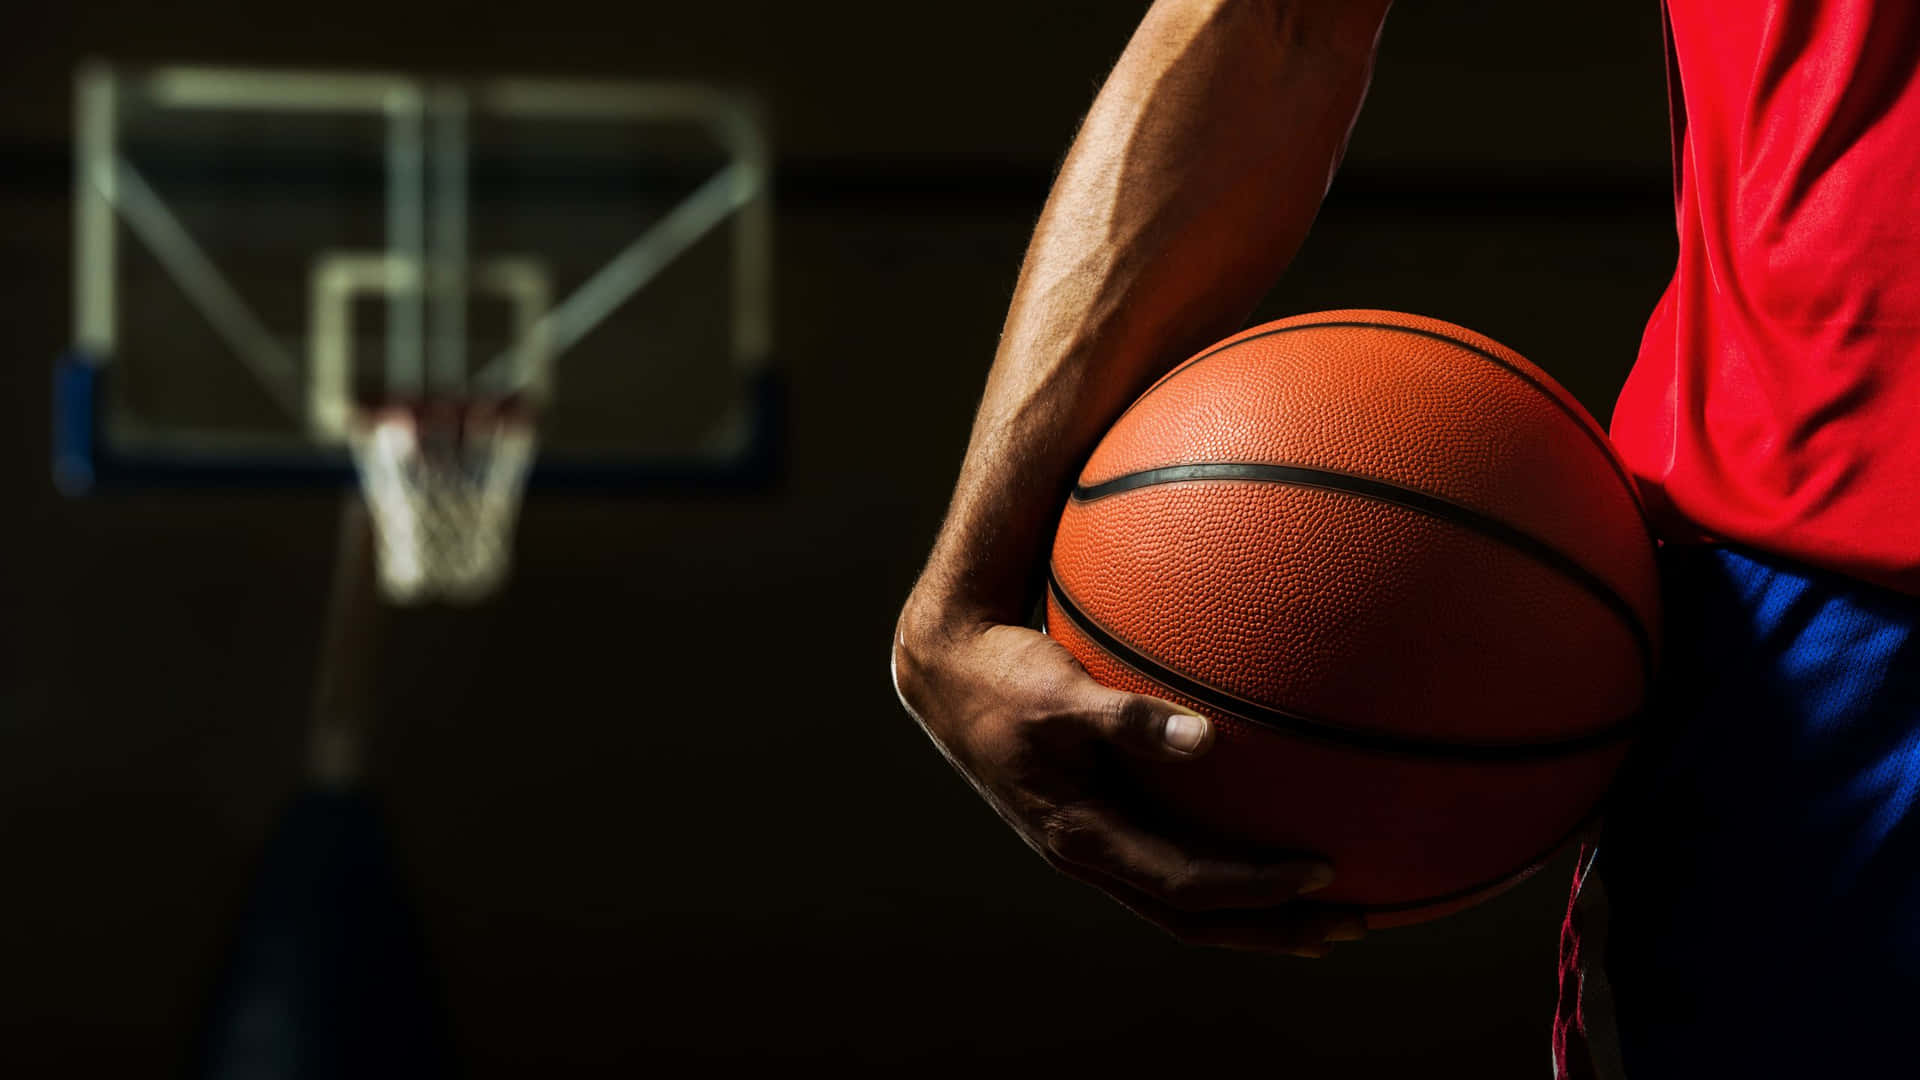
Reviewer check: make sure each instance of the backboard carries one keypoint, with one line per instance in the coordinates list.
(257, 251)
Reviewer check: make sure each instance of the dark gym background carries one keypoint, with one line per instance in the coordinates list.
(658, 804)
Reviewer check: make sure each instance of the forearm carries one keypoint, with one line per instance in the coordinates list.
(1190, 186)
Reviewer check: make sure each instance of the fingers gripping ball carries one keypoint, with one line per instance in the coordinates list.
(1401, 570)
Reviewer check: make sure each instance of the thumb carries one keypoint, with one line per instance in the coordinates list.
(1148, 727)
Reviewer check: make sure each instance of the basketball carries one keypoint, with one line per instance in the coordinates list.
(1403, 573)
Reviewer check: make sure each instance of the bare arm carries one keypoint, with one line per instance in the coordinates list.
(1190, 186)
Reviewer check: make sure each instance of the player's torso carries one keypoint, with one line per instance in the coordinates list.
(1775, 396)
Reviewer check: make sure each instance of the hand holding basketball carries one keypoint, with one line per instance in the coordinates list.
(1019, 717)
(1401, 571)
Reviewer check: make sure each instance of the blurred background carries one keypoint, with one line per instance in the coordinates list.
(657, 804)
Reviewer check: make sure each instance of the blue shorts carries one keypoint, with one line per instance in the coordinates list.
(1761, 855)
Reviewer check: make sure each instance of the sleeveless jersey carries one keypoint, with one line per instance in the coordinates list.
(1776, 399)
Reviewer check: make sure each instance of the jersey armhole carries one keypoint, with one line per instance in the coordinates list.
(1676, 101)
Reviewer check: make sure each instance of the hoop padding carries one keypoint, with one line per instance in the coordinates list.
(443, 485)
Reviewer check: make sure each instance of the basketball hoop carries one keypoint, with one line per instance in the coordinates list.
(443, 481)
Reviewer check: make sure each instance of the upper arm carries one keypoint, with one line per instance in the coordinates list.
(1349, 28)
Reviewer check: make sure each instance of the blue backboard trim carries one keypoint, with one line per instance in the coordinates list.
(86, 461)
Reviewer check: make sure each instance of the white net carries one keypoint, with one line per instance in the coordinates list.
(443, 488)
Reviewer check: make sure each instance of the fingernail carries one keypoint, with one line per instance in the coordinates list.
(1351, 930)
(1184, 733)
(1318, 878)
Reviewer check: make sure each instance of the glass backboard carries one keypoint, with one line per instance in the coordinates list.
(258, 252)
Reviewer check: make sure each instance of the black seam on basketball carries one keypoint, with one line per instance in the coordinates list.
(1239, 710)
(1291, 723)
(1367, 487)
(1587, 426)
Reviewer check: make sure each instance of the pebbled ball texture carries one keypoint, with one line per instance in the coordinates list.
(1422, 633)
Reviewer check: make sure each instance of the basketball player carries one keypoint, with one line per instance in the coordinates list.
(1762, 850)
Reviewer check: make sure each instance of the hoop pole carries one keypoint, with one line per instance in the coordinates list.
(350, 645)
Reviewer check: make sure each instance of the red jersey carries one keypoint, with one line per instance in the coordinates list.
(1776, 401)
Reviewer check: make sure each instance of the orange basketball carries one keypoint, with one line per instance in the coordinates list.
(1401, 570)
